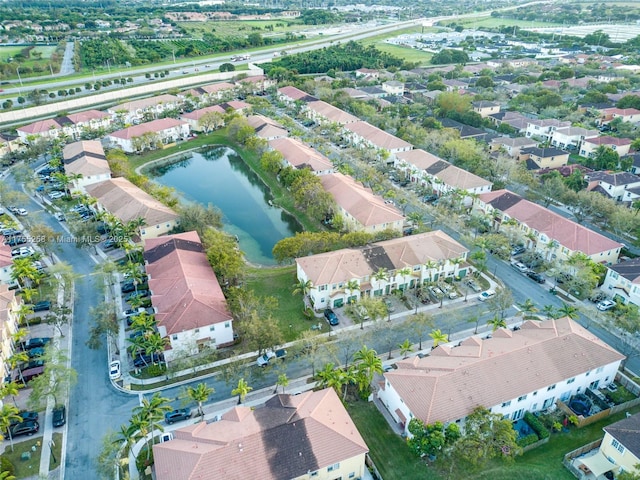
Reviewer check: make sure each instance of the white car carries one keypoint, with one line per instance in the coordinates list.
(605, 305)
(22, 252)
(263, 360)
(114, 370)
(520, 267)
(56, 195)
(22, 212)
(487, 294)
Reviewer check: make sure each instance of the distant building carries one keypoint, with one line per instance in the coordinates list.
(87, 160)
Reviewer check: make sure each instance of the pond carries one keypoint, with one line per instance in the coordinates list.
(218, 175)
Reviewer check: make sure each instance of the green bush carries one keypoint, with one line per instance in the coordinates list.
(7, 466)
(536, 425)
(528, 440)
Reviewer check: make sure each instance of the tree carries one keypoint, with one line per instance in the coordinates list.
(420, 322)
(496, 322)
(567, 310)
(200, 394)
(261, 333)
(223, 255)
(303, 287)
(368, 363)
(550, 311)
(194, 216)
(283, 381)
(105, 322)
(10, 388)
(438, 337)
(8, 415)
(55, 381)
(500, 302)
(405, 348)
(241, 390)
(147, 417)
(527, 307)
(431, 439)
(59, 316)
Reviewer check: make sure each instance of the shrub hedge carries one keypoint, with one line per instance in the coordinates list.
(536, 425)
(528, 440)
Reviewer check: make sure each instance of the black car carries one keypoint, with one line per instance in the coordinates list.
(25, 428)
(8, 232)
(38, 362)
(35, 352)
(128, 286)
(331, 317)
(142, 361)
(26, 416)
(17, 240)
(177, 415)
(36, 342)
(59, 416)
(139, 293)
(109, 243)
(41, 306)
(536, 277)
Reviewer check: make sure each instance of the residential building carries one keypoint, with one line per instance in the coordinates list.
(188, 303)
(291, 95)
(538, 158)
(512, 146)
(571, 138)
(256, 84)
(367, 73)
(209, 93)
(266, 128)
(510, 373)
(6, 264)
(465, 131)
(622, 282)
(299, 155)
(9, 305)
(619, 186)
(619, 145)
(9, 144)
(515, 120)
(151, 135)
(194, 118)
(549, 233)
(71, 126)
(290, 437)
(630, 115)
(544, 128)
(364, 134)
(85, 163)
(393, 87)
(325, 113)
(442, 177)
(485, 108)
(145, 109)
(455, 86)
(407, 262)
(511, 62)
(127, 202)
(359, 207)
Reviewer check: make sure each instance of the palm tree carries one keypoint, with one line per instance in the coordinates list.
(352, 286)
(200, 394)
(527, 307)
(6, 475)
(430, 265)
(549, 311)
(142, 424)
(567, 310)
(127, 436)
(380, 276)
(368, 362)
(403, 273)
(143, 322)
(155, 344)
(283, 381)
(405, 348)
(438, 337)
(346, 377)
(152, 410)
(496, 322)
(241, 390)
(22, 313)
(10, 388)
(303, 287)
(134, 273)
(330, 377)
(8, 415)
(16, 360)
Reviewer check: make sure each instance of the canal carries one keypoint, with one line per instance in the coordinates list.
(219, 176)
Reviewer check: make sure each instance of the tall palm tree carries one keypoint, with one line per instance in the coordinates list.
(155, 344)
(352, 286)
(527, 307)
(368, 361)
(303, 287)
(403, 273)
(143, 322)
(381, 275)
(567, 310)
(15, 360)
(347, 377)
(127, 436)
(330, 377)
(142, 424)
(241, 390)
(496, 322)
(134, 273)
(200, 394)
(549, 311)
(152, 410)
(405, 348)
(8, 415)
(429, 265)
(438, 337)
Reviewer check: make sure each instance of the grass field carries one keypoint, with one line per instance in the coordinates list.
(496, 22)
(408, 54)
(25, 468)
(242, 28)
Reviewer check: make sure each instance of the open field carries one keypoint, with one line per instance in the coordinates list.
(243, 28)
(406, 53)
(8, 52)
(491, 22)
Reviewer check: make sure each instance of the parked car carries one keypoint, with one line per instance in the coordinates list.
(142, 361)
(22, 252)
(42, 306)
(36, 342)
(331, 317)
(21, 212)
(35, 352)
(26, 416)
(473, 285)
(25, 428)
(263, 360)
(59, 416)
(362, 312)
(16, 240)
(521, 267)
(60, 216)
(29, 374)
(38, 362)
(518, 250)
(281, 354)
(486, 295)
(177, 415)
(605, 305)
(109, 243)
(535, 276)
(139, 293)
(56, 194)
(128, 286)
(132, 313)
(114, 370)
(7, 232)
(389, 304)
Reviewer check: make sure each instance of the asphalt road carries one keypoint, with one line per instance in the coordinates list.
(66, 67)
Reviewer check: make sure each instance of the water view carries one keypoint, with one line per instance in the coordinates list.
(218, 175)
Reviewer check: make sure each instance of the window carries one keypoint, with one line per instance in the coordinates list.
(571, 380)
(314, 474)
(552, 387)
(506, 404)
(523, 397)
(197, 330)
(174, 337)
(333, 467)
(352, 475)
(616, 444)
(600, 369)
(227, 324)
(212, 328)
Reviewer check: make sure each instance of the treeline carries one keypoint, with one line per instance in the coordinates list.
(348, 57)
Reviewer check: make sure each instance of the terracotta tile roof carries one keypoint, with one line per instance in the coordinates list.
(86, 158)
(378, 137)
(128, 202)
(5, 254)
(621, 111)
(266, 127)
(145, 103)
(147, 127)
(294, 93)
(235, 105)
(514, 142)
(360, 202)
(627, 432)
(607, 140)
(349, 263)
(218, 87)
(286, 438)
(197, 114)
(86, 116)
(450, 382)
(185, 291)
(59, 122)
(549, 122)
(419, 158)
(300, 155)
(331, 113)
(567, 233)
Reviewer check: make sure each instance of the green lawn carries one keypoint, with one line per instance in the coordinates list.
(408, 54)
(57, 451)
(387, 450)
(491, 22)
(25, 468)
(278, 282)
(243, 28)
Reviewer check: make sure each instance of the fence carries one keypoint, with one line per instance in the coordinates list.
(372, 467)
(536, 444)
(567, 461)
(628, 383)
(583, 421)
